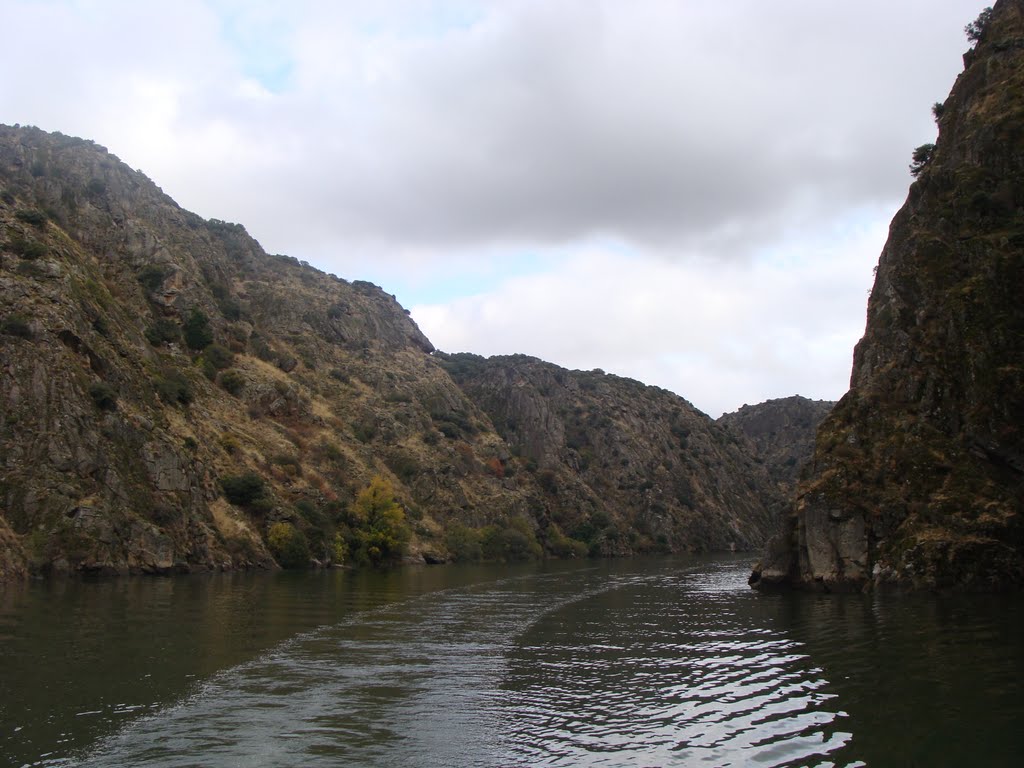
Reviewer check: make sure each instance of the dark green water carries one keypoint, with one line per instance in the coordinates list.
(645, 662)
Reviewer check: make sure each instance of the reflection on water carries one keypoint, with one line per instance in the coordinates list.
(644, 662)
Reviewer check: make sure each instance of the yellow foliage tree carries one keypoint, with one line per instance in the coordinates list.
(380, 528)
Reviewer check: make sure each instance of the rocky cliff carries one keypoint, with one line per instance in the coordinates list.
(782, 432)
(174, 398)
(918, 474)
(149, 357)
(625, 467)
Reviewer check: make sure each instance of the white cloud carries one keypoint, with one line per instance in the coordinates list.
(720, 335)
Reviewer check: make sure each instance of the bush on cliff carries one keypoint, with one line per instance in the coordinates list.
(288, 545)
(242, 490)
(198, 334)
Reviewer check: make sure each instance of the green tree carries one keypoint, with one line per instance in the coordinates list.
(198, 334)
(232, 381)
(976, 28)
(922, 156)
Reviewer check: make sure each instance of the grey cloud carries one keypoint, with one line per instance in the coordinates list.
(552, 122)
(661, 123)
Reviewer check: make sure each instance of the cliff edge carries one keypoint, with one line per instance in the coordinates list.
(917, 478)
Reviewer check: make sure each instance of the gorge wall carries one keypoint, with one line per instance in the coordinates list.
(171, 395)
(917, 477)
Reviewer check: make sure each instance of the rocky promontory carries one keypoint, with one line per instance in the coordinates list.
(917, 478)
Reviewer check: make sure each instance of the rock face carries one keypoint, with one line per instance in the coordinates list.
(119, 420)
(625, 467)
(918, 473)
(151, 360)
(782, 432)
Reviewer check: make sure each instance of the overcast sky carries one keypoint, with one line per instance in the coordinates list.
(690, 193)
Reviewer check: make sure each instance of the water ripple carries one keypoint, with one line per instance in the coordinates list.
(687, 690)
(579, 668)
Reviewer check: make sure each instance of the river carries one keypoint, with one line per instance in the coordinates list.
(634, 662)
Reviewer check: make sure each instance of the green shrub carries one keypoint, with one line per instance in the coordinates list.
(207, 368)
(173, 387)
(163, 331)
(548, 481)
(219, 357)
(514, 542)
(243, 490)
(262, 350)
(103, 395)
(230, 443)
(197, 331)
(26, 248)
(291, 464)
(288, 545)
(405, 467)
(32, 216)
(232, 381)
(339, 550)
(330, 451)
(229, 308)
(464, 544)
(365, 429)
(561, 545)
(16, 324)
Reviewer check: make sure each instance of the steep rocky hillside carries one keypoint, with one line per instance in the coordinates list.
(173, 398)
(149, 357)
(626, 467)
(782, 432)
(918, 473)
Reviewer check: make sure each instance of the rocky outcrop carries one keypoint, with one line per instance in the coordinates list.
(782, 432)
(917, 477)
(625, 467)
